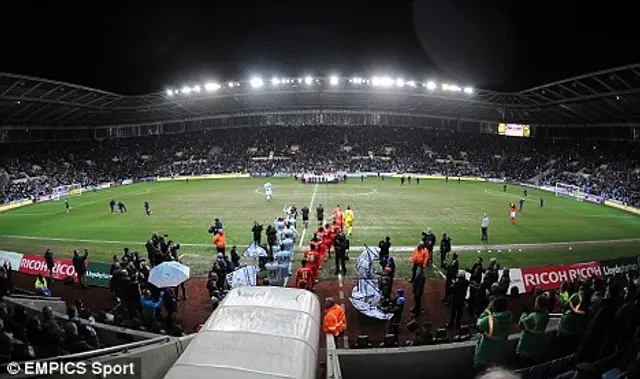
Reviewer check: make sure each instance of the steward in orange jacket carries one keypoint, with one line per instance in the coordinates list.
(419, 258)
(220, 242)
(335, 321)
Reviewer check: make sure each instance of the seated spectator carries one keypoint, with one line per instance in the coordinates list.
(53, 335)
(41, 287)
(6, 345)
(494, 324)
(532, 339)
(73, 343)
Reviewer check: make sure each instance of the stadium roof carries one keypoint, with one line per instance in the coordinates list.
(609, 97)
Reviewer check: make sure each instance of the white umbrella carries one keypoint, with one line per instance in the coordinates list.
(168, 274)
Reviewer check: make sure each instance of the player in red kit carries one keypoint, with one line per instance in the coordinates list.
(329, 234)
(313, 259)
(304, 276)
(512, 210)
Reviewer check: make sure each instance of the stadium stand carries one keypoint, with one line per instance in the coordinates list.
(74, 134)
(609, 168)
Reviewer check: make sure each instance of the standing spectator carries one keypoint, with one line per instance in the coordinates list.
(445, 248)
(494, 324)
(79, 264)
(458, 294)
(418, 290)
(396, 312)
(170, 305)
(48, 257)
(532, 339)
(452, 273)
(149, 307)
(115, 265)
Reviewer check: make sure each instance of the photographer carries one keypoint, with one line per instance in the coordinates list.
(217, 225)
(257, 232)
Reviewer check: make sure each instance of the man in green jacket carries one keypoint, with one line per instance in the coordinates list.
(572, 323)
(494, 324)
(532, 339)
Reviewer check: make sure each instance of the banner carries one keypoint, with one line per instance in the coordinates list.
(35, 264)
(551, 277)
(615, 204)
(11, 257)
(98, 274)
(620, 265)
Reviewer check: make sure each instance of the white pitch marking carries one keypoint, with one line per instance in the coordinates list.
(313, 199)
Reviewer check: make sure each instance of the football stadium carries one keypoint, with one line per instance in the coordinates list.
(327, 226)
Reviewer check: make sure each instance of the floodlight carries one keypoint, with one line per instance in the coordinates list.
(230, 84)
(411, 83)
(400, 82)
(357, 80)
(308, 80)
(468, 90)
(256, 82)
(196, 88)
(186, 90)
(445, 87)
(375, 81)
(431, 85)
(333, 80)
(210, 87)
(455, 88)
(169, 92)
(275, 81)
(387, 81)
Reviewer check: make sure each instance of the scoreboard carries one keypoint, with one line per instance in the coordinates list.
(514, 130)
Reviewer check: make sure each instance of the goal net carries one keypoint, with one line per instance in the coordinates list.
(569, 190)
(68, 190)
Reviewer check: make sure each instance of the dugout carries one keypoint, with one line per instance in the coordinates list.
(256, 332)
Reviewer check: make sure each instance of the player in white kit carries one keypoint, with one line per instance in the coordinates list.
(267, 190)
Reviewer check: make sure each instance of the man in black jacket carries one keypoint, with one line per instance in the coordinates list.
(418, 290)
(340, 246)
(445, 248)
(48, 257)
(452, 272)
(384, 246)
(73, 342)
(257, 232)
(458, 294)
(79, 265)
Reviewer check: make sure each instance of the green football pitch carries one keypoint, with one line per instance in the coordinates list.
(563, 231)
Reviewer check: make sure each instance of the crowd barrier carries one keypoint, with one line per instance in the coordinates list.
(452, 360)
(202, 177)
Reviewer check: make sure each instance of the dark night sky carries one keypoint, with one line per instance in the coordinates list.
(142, 46)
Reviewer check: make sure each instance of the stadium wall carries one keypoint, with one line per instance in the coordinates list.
(452, 360)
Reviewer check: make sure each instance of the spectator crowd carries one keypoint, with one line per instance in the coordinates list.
(611, 169)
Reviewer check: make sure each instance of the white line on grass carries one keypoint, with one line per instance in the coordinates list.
(313, 199)
(400, 249)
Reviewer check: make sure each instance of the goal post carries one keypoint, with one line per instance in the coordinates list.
(67, 190)
(569, 190)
